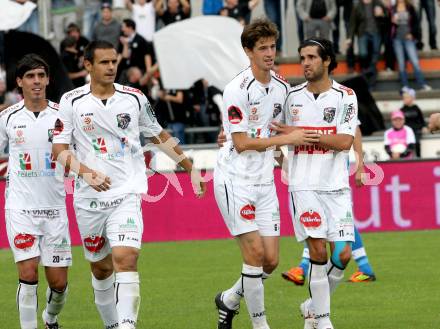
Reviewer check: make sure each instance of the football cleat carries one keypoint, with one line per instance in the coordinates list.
(362, 277)
(295, 275)
(308, 315)
(52, 326)
(225, 315)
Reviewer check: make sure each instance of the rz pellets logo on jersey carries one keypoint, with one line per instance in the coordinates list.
(99, 145)
(25, 161)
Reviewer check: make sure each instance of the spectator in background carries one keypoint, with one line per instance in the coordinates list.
(317, 17)
(120, 10)
(405, 33)
(234, 10)
(175, 11)
(143, 13)
(134, 50)
(212, 7)
(367, 22)
(347, 6)
(399, 139)
(32, 24)
(91, 13)
(429, 7)
(138, 80)
(73, 63)
(247, 7)
(387, 40)
(272, 9)
(413, 116)
(299, 23)
(434, 122)
(108, 28)
(81, 41)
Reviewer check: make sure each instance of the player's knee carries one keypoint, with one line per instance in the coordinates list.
(345, 256)
(318, 254)
(59, 284)
(126, 261)
(270, 264)
(28, 274)
(102, 270)
(341, 254)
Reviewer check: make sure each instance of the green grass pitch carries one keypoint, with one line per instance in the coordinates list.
(179, 282)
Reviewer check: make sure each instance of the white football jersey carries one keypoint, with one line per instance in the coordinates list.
(250, 107)
(106, 137)
(332, 112)
(35, 180)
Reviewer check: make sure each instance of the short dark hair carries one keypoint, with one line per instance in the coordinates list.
(129, 23)
(325, 50)
(89, 51)
(72, 27)
(30, 62)
(257, 29)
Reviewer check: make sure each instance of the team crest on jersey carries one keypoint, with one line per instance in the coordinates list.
(123, 120)
(253, 116)
(234, 115)
(329, 114)
(50, 135)
(276, 110)
(59, 127)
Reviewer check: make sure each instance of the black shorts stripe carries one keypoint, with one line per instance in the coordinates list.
(293, 205)
(227, 197)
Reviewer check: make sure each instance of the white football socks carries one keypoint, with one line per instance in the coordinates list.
(104, 291)
(319, 290)
(55, 301)
(128, 299)
(335, 275)
(232, 296)
(27, 303)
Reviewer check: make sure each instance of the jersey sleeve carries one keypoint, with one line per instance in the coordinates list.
(63, 130)
(347, 120)
(148, 124)
(237, 112)
(4, 140)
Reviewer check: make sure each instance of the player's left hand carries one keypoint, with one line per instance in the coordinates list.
(221, 138)
(359, 176)
(198, 183)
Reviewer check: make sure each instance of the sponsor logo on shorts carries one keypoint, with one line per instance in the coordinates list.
(93, 205)
(234, 115)
(43, 213)
(123, 120)
(105, 204)
(129, 226)
(24, 241)
(311, 219)
(248, 212)
(94, 243)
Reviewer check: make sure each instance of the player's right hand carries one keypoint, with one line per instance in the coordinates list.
(302, 137)
(97, 180)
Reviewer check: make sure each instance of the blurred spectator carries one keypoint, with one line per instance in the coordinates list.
(347, 7)
(32, 24)
(247, 7)
(434, 122)
(299, 23)
(317, 16)
(81, 42)
(136, 79)
(172, 107)
(399, 139)
(212, 7)
(405, 33)
(2, 49)
(175, 11)
(143, 13)
(91, 14)
(429, 7)
(234, 10)
(367, 22)
(73, 62)
(413, 116)
(206, 101)
(387, 40)
(134, 50)
(273, 12)
(120, 10)
(108, 28)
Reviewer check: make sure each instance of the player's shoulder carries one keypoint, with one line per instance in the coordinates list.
(54, 107)
(128, 90)
(280, 81)
(343, 90)
(12, 109)
(76, 94)
(294, 90)
(241, 83)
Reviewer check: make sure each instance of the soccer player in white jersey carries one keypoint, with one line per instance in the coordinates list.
(103, 120)
(35, 208)
(318, 174)
(243, 178)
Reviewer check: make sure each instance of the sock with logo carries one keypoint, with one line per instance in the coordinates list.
(128, 299)
(231, 297)
(253, 290)
(104, 291)
(319, 288)
(359, 254)
(27, 304)
(55, 301)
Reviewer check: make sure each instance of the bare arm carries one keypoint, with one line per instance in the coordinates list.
(186, 7)
(129, 5)
(359, 155)
(159, 7)
(337, 142)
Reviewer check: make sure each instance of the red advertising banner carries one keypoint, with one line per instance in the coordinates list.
(404, 196)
